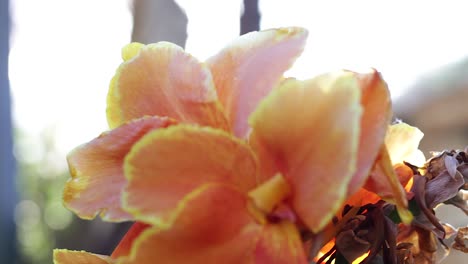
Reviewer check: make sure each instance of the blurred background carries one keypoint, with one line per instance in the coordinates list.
(59, 57)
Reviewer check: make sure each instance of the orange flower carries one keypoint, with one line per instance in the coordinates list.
(159, 85)
(215, 174)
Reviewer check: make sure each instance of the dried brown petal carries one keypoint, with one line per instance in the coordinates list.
(427, 247)
(427, 217)
(427, 241)
(443, 187)
(350, 245)
(354, 222)
(435, 165)
(389, 247)
(376, 235)
(451, 164)
(463, 169)
(461, 240)
(405, 254)
(449, 230)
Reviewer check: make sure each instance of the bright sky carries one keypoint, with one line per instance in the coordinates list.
(65, 52)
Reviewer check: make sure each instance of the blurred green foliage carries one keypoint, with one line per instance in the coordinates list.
(39, 215)
(42, 222)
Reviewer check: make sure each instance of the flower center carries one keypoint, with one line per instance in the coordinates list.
(267, 196)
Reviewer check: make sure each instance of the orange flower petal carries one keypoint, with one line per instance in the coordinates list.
(280, 243)
(97, 170)
(378, 184)
(63, 256)
(385, 182)
(268, 165)
(405, 175)
(126, 243)
(376, 116)
(212, 225)
(166, 165)
(250, 67)
(161, 79)
(310, 129)
(362, 197)
(402, 141)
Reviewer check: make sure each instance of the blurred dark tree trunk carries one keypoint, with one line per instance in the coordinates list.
(159, 20)
(250, 19)
(7, 161)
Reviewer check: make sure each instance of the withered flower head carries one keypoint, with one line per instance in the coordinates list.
(455, 163)
(374, 233)
(369, 236)
(444, 180)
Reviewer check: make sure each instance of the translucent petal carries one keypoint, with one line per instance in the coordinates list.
(250, 67)
(162, 79)
(97, 170)
(310, 131)
(166, 165)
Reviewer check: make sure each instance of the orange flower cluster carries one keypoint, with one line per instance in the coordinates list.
(227, 161)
